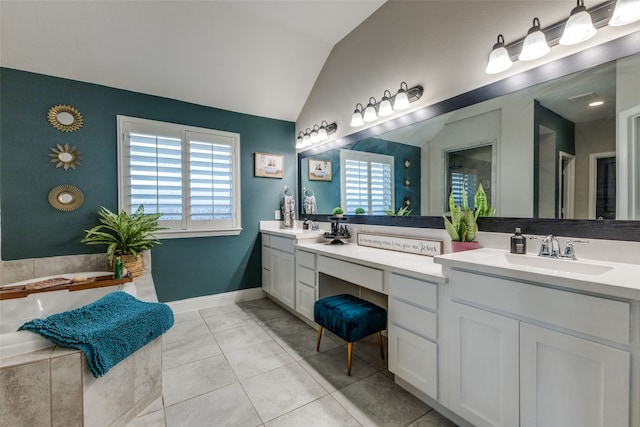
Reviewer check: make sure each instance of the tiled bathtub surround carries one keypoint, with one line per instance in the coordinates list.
(54, 387)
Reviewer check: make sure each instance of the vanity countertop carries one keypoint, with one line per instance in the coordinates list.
(606, 278)
(275, 228)
(398, 262)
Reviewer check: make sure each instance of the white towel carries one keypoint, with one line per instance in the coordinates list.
(288, 211)
(310, 205)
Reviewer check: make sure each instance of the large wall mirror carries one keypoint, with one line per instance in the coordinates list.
(557, 142)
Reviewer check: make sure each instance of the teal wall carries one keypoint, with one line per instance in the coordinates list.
(327, 193)
(565, 141)
(31, 228)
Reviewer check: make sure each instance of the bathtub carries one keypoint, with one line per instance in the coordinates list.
(15, 312)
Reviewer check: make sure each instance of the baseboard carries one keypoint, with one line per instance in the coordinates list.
(199, 303)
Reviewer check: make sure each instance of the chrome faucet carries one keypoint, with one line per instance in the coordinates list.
(550, 247)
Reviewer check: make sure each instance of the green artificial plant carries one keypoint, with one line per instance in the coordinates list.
(360, 211)
(462, 227)
(337, 211)
(403, 211)
(124, 234)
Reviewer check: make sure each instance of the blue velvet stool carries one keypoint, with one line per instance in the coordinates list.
(351, 318)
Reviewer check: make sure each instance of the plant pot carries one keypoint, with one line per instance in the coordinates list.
(134, 266)
(338, 215)
(463, 246)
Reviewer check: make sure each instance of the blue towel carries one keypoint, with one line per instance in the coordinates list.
(107, 330)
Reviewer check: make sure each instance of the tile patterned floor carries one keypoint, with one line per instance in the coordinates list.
(255, 364)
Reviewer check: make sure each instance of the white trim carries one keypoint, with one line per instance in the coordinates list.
(593, 179)
(627, 197)
(569, 181)
(208, 301)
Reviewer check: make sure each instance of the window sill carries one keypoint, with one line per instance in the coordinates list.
(183, 234)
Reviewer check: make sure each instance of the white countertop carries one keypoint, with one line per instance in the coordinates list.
(606, 278)
(275, 228)
(399, 262)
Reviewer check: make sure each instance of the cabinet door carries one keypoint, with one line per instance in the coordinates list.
(305, 298)
(277, 282)
(288, 280)
(568, 381)
(414, 359)
(483, 367)
(266, 267)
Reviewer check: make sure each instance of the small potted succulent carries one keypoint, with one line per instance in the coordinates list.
(462, 227)
(360, 211)
(338, 212)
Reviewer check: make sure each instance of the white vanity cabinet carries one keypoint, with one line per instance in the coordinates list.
(281, 270)
(527, 354)
(412, 332)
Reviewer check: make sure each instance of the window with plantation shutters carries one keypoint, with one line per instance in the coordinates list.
(189, 175)
(366, 182)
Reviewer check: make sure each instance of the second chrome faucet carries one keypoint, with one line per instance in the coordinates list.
(550, 247)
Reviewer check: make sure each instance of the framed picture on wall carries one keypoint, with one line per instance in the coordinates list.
(319, 170)
(268, 165)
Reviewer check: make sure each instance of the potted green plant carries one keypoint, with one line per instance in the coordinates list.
(403, 211)
(462, 227)
(338, 212)
(360, 211)
(125, 236)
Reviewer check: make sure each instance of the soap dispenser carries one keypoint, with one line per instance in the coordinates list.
(518, 243)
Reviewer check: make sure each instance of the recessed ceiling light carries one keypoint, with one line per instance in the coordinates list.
(596, 103)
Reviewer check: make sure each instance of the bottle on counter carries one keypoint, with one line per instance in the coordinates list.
(117, 269)
(518, 243)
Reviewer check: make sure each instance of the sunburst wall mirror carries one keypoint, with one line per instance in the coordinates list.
(66, 198)
(65, 156)
(65, 118)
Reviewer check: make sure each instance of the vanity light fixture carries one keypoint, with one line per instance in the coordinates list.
(626, 12)
(579, 26)
(370, 114)
(300, 140)
(385, 108)
(499, 59)
(318, 133)
(535, 44)
(314, 134)
(400, 101)
(356, 119)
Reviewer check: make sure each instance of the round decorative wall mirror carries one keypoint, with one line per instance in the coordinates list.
(65, 118)
(65, 156)
(66, 198)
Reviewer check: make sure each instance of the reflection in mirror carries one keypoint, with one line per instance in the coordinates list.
(65, 198)
(466, 171)
(65, 118)
(547, 140)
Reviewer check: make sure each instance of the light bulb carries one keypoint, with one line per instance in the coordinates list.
(535, 44)
(499, 59)
(579, 26)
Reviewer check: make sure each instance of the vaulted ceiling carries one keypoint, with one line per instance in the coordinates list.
(257, 57)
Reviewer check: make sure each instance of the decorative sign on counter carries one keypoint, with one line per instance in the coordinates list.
(409, 245)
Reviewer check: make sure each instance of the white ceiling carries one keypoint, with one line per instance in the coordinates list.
(258, 57)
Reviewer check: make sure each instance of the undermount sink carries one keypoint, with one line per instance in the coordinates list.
(565, 265)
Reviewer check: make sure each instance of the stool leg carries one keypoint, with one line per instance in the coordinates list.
(349, 352)
(380, 345)
(319, 337)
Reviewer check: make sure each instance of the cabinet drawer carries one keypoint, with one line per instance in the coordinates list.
(305, 275)
(599, 317)
(306, 259)
(265, 239)
(414, 359)
(414, 290)
(281, 243)
(367, 277)
(412, 318)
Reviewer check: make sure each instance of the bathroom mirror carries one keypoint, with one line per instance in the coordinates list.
(66, 198)
(65, 118)
(537, 120)
(65, 156)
